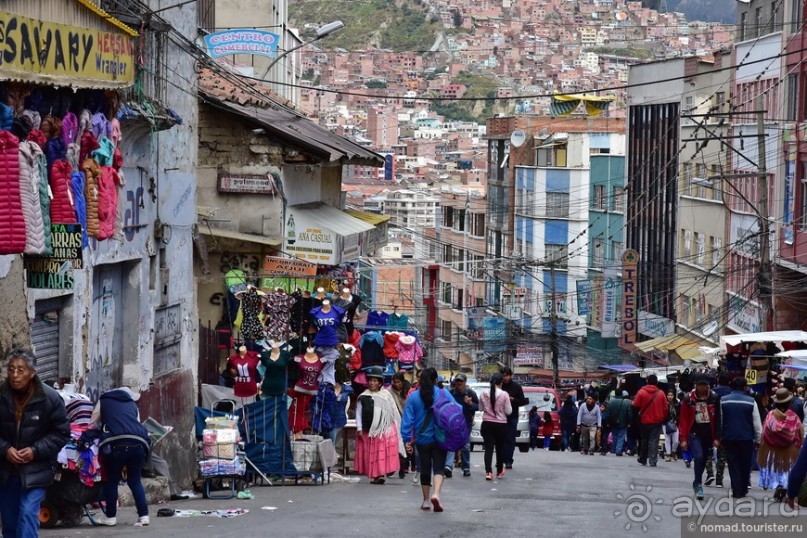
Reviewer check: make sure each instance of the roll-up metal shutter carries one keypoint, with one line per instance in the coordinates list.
(45, 338)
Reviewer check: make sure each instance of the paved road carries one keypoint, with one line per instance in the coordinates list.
(546, 494)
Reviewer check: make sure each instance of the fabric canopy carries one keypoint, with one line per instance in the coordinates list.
(684, 347)
(617, 367)
(776, 337)
(565, 104)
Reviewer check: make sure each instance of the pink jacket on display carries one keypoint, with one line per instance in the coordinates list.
(409, 351)
(62, 210)
(107, 201)
(12, 219)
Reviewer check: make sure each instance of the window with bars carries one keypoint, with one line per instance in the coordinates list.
(446, 330)
(700, 242)
(686, 246)
(599, 197)
(448, 217)
(477, 224)
(717, 247)
(597, 253)
(445, 292)
(619, 199)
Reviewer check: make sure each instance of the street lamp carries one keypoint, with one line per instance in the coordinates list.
(323, 31)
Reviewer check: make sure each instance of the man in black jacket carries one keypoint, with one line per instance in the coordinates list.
(33, 429)
(517, 399)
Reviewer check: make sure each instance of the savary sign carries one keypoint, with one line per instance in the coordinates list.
(48, 48)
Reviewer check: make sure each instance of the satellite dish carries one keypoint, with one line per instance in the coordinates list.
(710, 328)
(518, 138)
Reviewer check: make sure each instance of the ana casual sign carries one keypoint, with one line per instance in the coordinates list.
(30, 46)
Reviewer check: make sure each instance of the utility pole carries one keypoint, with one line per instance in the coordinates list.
(553, 323)
(765, 276)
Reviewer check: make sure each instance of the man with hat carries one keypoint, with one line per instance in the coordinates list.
(739, 430)
(469, 401)
(697, 424)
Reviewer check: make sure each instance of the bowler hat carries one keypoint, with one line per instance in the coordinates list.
(375, 371)
(782, 396)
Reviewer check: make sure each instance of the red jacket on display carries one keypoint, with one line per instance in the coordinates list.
(390, 341)
(12, 219)
(61, 205)
(651, 402)
(107, 201)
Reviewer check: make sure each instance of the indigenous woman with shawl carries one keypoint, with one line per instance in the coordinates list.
(378, 443)
(782, 435)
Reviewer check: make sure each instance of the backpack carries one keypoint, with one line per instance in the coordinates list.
(450, 427)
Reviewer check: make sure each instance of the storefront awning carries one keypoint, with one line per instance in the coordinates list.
(300, 132)
(775, 336)
(684, 347)
(325, 235)
(370, 218)
(220, 233)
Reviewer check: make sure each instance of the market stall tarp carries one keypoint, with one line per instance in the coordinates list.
(686, 348)
(265, 430)
(777, 337)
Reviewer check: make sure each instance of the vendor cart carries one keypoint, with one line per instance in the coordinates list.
(221, 462)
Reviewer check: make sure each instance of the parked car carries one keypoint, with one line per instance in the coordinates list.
(544, 398)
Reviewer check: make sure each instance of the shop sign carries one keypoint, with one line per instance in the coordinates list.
(630, 261)
(584, 297)
(289, 267)
(243, 41)
(247, 184)
(790, 194)
(655, 326)
(56, 271)
(308, 240)
(611, 285)
(48, 48)
(495, 334)
(744, 316)
(529, 355)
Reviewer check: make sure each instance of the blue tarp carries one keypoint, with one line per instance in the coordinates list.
(617, 367)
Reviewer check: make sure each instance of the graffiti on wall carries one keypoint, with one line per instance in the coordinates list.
(100, 367)
(131, 215)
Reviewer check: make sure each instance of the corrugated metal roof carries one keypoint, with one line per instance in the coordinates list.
(300, 131)
(333, 219)
(220, 233)
(372, 218)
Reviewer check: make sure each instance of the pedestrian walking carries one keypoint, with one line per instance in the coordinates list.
(697, 426)
(378, 445)
(467, 398)
(33, 429)
(782, 436)
(671, 428)
(417, 427)
(650, 406)
(739, 431)
(534, 419)
(589, 422)
(517, 400)
(568, 422)
(619, 413)
(125, 443)
(495, 406)
(399, 389)
(605, 430)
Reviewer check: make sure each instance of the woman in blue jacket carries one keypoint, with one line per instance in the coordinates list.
(417, 426)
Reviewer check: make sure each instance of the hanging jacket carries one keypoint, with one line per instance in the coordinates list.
(409, 352)
(107, 202)
(12, 218)
(88, 144)
(72, 156)
(92, 175)
(390, 342)
(115, 135)
(44, 192)
(328, 409)
(377, 319)
(372, 353)
(355, 358)
(100, 125)
(29, 194)
(55, 150)
(80, 205)
(61, 205)
(51, 126)
(69, 128)
(104, 152)
(33, 115)
(38, 137)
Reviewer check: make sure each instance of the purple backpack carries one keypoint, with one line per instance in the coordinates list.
(451, 430)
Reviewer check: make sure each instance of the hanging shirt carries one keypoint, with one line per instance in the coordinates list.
(246, 378)
(398, 320)
(327, 324)
(377, 319)
(309, 373)
(274, 380)
(278, 315)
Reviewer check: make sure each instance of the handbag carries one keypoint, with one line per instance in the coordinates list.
(670, 427)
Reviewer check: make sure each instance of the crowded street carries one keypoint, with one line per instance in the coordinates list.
(547, 493)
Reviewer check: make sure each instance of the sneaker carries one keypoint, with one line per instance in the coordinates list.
(718, 484)
(501, 474)
(709, 480)
(416, 479)
(466, 472)
(108, 521)
(688, 464)
(142, 521)
(448, 473)
(488, 476)
(699, 493)
(508, 465)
